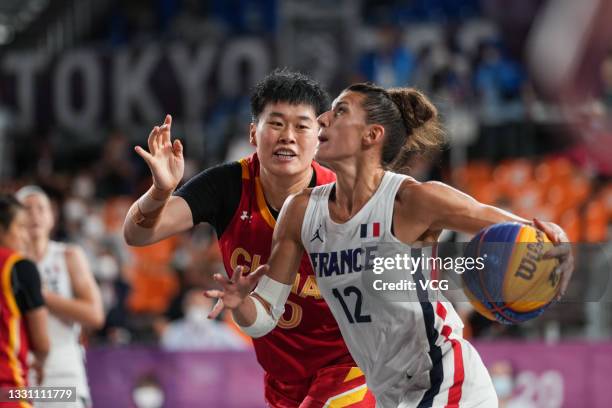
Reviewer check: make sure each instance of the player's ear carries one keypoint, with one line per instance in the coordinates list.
(252, 132)
(374, 134)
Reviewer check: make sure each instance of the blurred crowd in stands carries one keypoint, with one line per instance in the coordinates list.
(507, 148)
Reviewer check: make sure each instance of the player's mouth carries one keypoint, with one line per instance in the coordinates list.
(284, 154)
(322, 138)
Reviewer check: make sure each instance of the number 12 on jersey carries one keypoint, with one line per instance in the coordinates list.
(355, 317)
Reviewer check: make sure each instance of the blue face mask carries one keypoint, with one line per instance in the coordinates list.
(503, 384)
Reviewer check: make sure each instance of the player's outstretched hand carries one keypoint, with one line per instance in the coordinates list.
(39, 371)
(164, 158)
(562, 251)
(234, 290)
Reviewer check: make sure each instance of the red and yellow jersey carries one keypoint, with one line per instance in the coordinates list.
(13, 335)
(307, 337)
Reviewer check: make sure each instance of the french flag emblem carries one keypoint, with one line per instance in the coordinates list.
(370, 230)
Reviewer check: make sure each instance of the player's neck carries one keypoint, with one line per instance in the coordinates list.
(38, 248)
(354, 187)
(276, 189)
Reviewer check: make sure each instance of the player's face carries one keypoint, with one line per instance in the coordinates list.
(286, 138)
(341, 128)
(16, 236)
(40, 215)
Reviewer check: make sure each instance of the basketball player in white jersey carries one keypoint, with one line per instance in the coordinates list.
(412, 353)
(71, 294)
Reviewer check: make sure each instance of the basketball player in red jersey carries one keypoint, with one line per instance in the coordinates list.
(23, 316)
(306, 361)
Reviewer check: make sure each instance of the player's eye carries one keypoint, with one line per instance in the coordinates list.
(339, 111)
(276, 124)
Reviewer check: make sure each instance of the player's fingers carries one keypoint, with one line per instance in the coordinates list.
(259, 272)
(214, 293)
(221, 279)
(151, 140)
(165, 135)
(177, 148)
(217, 309)
(561, 251)
(168, 120)
(144, 154)
(237, 273)
(566, 275)
(550, 232)
(159, 138)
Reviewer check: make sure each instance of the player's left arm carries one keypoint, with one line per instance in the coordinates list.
(86, 306)
(444, 207)
(258, 312)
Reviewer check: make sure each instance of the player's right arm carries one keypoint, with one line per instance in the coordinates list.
(258, 312)
(156, 215)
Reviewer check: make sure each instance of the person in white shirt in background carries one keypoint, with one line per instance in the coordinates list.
(195, 332)
(71, 295)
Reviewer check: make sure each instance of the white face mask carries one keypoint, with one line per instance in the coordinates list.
(503, 385)
(107, 268)
(93, 227)
(148, 396)
(74, 209)
(83, 186)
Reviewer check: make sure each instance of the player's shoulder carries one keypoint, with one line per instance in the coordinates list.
(25, 270)
(299, 201)
(295, 206)
(25, 264)
(72, 250)
(75, 255)
(413, 189)
(421, 197)
(225, 172)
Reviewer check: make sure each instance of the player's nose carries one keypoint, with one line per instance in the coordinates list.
(323, 119)
(287, 135)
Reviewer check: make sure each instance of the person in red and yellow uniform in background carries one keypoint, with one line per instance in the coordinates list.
(23, 315)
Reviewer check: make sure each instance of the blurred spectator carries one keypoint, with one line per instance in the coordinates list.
(391, 63)
(196, 332)
(498, 81)
(148, 392)
(115, 173)
(502, 375)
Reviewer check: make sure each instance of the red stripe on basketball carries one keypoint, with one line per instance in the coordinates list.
(376, 229)
(454, 393)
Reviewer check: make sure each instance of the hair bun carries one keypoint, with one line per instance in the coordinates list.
(415, 108)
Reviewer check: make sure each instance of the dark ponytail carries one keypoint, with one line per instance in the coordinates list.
(8, 210)
(410, 121)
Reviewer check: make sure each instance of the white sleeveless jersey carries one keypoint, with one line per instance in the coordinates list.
(65, 364)
(391, 341)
